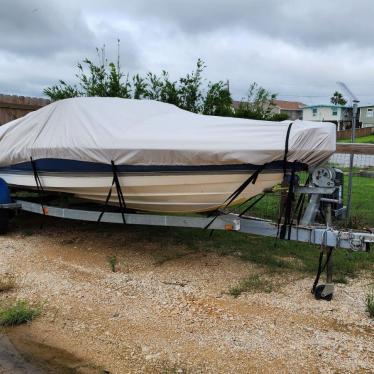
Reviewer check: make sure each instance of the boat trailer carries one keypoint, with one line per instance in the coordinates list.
(324, 191)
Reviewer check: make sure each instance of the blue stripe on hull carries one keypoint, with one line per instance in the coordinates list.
(60, 165)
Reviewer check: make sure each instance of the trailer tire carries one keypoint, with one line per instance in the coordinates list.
(5, 216)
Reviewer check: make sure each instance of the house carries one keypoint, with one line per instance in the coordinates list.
(366, 116)
(338, 114)
(13, 107)
(293, 109)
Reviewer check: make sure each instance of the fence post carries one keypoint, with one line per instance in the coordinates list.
(351, 160)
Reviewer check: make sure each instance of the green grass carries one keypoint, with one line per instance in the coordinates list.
(363, 139)
(18, 313)
(369, 301)
(113, 263)
(362, 199)
(271, 254)
(251, 284)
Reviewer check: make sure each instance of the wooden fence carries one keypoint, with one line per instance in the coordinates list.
(346, 134)
(13, 107)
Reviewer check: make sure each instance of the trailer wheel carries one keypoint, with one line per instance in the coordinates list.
(5, 216)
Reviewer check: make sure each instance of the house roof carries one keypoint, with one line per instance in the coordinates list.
(366, 106)
(326, 106)
(288, 105)
(281, 104)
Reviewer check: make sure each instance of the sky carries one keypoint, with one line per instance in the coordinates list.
(298, 49)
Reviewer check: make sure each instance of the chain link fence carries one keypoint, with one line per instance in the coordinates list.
(362, 197)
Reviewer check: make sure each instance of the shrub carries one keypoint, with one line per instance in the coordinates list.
(20, 312)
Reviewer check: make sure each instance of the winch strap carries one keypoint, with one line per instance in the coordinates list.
(38, 183)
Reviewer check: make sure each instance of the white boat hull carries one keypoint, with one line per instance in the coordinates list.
(157, 192)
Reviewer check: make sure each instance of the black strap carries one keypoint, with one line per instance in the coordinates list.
(38, 183)
(286, 146)
(281, 230)
(106, 202)
(300, 203)
(121, 199)
(321, 268)
(251, 205)
(251, 179)
(287, 223)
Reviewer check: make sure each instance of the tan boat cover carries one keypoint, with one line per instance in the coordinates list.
(145, 132)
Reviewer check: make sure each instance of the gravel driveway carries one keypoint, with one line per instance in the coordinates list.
(174, 315)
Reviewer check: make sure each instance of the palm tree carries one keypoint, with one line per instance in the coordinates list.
(338, 99)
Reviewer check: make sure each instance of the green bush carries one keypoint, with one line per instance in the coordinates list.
(20, 312)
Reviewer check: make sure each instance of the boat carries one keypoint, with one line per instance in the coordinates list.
(165, 159)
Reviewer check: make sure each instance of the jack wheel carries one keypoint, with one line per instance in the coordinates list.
(319, 295)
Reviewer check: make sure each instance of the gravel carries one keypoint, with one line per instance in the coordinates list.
(177, 317)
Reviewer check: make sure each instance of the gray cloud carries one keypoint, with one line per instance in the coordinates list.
(298, 48)
(38, 27)
(309, 22)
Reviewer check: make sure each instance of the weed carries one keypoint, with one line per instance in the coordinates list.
(341, 278)
(369, 301)
(252, 283)
(20, 312)
(113, 263)
(7, 282)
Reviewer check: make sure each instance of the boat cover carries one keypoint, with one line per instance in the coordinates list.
(145, 132)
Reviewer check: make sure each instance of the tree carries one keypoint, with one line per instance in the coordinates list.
(338, 99)
(140, 87)
(279, 117)
(107, 80)
(104, 79)
(258, 104)
(218, 100)
(189, 92)
(170, 90)
(60, 91)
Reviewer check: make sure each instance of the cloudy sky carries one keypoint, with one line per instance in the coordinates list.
(297, 48)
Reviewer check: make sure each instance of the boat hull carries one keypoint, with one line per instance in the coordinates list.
(152, 192)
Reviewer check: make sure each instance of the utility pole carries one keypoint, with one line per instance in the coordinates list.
(355, 102)
(228, 86)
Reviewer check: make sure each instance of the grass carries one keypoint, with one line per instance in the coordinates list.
(271, 254)
(251, 284)
(363, 139)
(341, 279)
(369, 301)
(7, 282)
(113, 263)
(18, 313)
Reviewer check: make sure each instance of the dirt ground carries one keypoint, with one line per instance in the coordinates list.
(163, 312)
